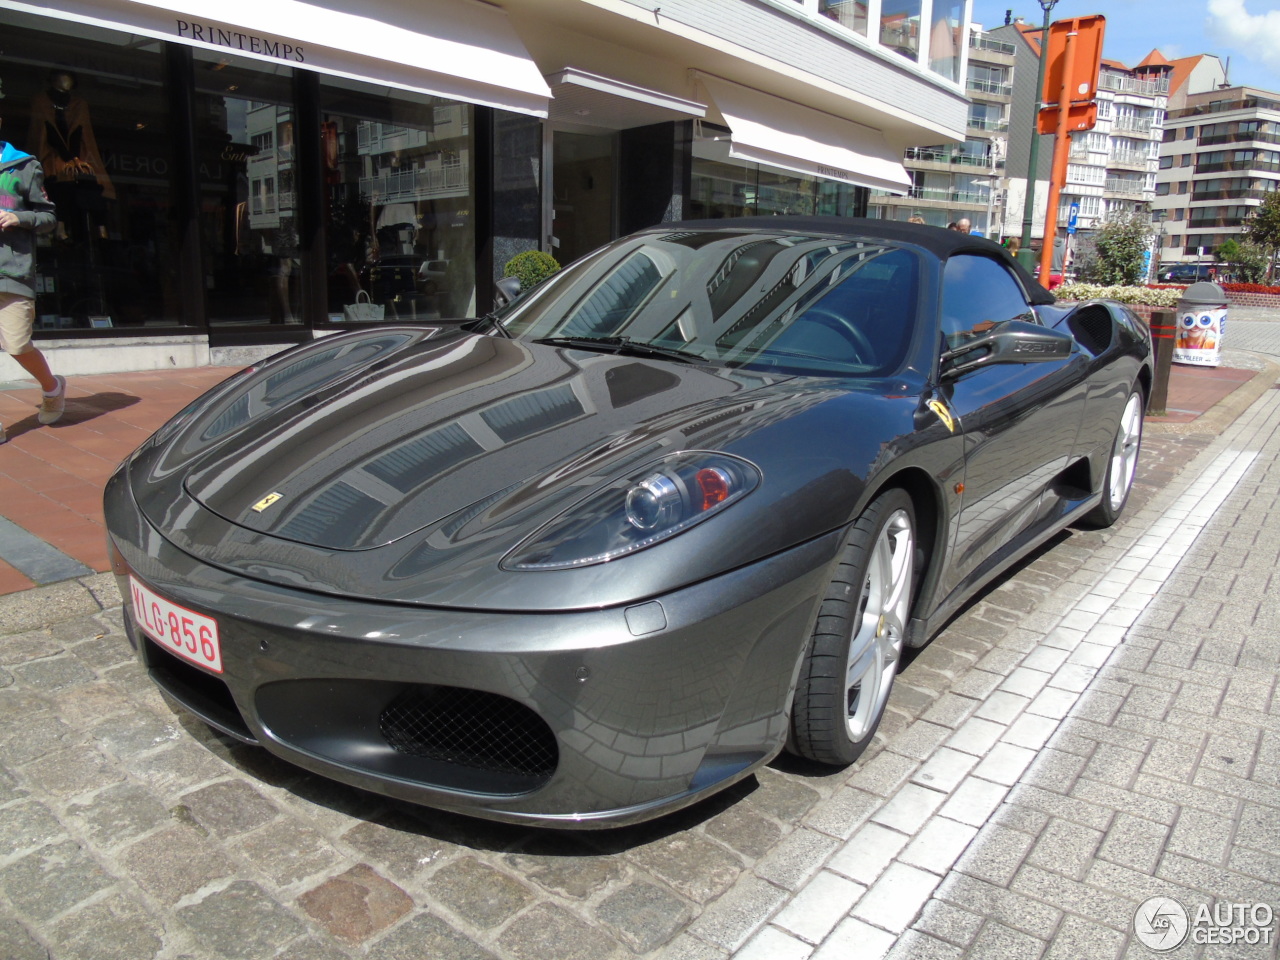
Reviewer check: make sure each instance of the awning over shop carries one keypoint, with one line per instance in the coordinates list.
(456, 49)
(589, 98)
(780, 133)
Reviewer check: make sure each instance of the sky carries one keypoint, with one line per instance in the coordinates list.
(1247, 31)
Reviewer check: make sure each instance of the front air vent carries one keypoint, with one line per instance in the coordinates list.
(1092, 326)
(471, 728)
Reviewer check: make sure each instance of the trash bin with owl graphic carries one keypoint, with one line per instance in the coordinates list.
(1202, 318)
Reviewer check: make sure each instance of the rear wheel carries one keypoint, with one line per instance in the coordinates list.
(853, 655)
(1123, 465)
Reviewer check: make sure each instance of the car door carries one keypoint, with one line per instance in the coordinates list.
(1019, 421)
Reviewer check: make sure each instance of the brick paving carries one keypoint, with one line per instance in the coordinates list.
(1100, 727)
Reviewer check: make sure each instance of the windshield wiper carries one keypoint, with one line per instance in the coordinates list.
(624, 345)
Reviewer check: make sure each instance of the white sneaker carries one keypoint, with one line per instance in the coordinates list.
(3, 438)
(51, 407)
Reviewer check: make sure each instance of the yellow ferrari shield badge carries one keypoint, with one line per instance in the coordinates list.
(266, 501)
(940, 408)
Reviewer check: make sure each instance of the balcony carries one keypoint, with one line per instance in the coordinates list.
(1123, 84)
(944, 156)
(982, 41)
(1226, 106)
(988, 88)
(987, 125)
(942, 195)
(401, 186)
(1119, 185)
(1206, 222)
(1247, 165)
(1132, 125)
(1229, 194)
(1129, 161)
(1239, 137)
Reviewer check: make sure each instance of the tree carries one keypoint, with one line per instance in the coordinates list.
(1262, 227)
(1121, 244)
(1248, 261)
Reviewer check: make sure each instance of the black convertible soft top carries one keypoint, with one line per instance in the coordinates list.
(939, 241)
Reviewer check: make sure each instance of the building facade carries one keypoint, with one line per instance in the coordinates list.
(952, 182)
(227, 187)
(1111, 168)
(1219, 160)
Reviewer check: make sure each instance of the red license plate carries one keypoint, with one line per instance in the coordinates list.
(190, 635)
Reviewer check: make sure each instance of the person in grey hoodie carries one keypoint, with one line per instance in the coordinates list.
(25, 210)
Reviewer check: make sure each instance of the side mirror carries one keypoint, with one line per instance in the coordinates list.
(1014, 341)
(508, 288)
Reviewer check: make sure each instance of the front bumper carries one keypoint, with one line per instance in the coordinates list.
(592, 718)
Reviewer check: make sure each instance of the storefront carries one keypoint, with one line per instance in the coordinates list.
(236, 187)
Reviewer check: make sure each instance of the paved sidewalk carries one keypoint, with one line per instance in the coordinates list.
(1099, 728)
(1121, 743)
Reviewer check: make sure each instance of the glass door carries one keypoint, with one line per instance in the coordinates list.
(583, 173)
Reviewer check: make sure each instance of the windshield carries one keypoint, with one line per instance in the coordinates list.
(784, 303)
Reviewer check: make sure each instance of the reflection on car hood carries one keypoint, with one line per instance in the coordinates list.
(403, 464)
(368, 461)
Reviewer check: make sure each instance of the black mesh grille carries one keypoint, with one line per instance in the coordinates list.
(470, 728)
(1092, 326)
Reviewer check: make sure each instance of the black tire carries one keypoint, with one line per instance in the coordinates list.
(1122, 464)
(852, 657)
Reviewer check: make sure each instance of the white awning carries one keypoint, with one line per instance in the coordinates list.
(457, 49)
(780, 133)
(589, 98)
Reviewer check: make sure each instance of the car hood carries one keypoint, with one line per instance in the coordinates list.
(404, 464)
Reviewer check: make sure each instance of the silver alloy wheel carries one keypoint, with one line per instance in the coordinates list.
(1124, 455)
(879, 628)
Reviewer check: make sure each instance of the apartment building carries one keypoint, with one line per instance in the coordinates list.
(1111, 168)
(965, 180)
(1220, 158)
(245, 172)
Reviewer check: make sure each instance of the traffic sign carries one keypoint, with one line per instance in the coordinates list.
(1072, 216)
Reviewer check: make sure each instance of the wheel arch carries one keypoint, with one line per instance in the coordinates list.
(927, 502)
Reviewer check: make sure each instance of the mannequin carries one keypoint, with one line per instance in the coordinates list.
(62, 140)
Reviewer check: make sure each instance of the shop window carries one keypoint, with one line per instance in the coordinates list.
(251, 267)
(398, 189)
(727, 189)
(91, 106)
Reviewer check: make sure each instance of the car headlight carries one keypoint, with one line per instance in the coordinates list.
(645, 507)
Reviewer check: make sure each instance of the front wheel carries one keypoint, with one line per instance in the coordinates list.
(852, 657)
(1123, 465)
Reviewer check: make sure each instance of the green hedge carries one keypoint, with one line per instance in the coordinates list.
(1144, 295)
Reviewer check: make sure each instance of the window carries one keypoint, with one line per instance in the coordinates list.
(398, 180)
(1166, 163)
(848, 13)
(100, 131)
(977, 291)
(900, 27)
(946, 39)
(1185, 161)
(1162, 189)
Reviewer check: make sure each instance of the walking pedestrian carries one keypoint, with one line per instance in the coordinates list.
(25, 210)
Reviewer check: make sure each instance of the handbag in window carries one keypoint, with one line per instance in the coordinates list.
(364, 310)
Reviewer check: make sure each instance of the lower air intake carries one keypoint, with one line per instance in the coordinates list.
(471, 728)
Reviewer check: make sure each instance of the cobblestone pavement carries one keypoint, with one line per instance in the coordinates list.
(1099, 728)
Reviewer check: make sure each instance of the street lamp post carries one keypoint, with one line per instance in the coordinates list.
(1025, 255)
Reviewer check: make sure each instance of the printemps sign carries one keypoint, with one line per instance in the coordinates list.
(1163, 924)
